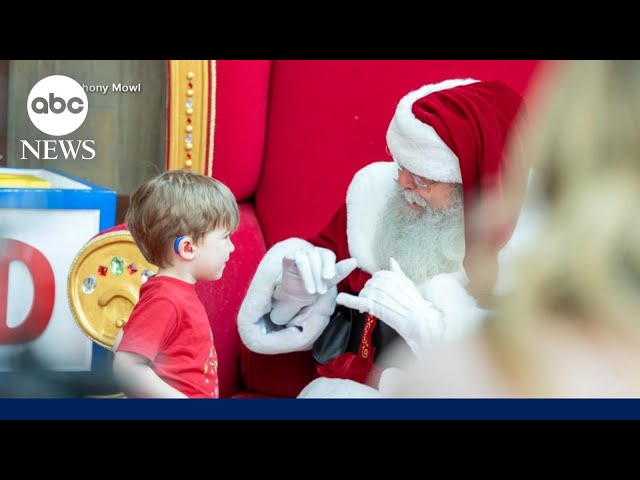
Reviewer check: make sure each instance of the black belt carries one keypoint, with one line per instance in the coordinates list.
(344, 332)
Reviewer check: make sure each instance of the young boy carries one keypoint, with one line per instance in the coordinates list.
(181, 221)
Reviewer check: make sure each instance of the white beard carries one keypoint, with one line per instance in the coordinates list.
(425, 243)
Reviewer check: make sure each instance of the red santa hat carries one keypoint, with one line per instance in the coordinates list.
(456, 131)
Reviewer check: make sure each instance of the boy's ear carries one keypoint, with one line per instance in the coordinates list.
(185, 248)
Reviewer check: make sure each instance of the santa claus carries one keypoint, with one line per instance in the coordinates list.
(396, 261)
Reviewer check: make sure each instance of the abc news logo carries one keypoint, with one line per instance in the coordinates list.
(57, 105)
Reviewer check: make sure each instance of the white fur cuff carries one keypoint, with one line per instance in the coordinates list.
(257, 332)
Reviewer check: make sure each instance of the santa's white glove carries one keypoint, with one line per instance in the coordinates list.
(306, 274)
(393, 298)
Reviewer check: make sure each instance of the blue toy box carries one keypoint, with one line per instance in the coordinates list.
(46, 217)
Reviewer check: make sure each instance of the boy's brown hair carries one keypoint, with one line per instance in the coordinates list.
(175, 203)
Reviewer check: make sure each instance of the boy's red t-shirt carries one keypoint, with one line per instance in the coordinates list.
(169, 326)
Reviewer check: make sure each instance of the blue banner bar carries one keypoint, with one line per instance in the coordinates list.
(307, 409)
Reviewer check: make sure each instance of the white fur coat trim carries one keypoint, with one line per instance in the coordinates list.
(337, 388)
(461, 311)
(368, 193)
(416, 145)
(302, 330)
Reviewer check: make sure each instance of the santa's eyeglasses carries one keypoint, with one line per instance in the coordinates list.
(418, 181)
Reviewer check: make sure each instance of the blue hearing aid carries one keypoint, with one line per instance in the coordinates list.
(176, 244)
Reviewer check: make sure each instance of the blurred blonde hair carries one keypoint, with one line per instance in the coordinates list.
(174, 203)
(584, 271)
